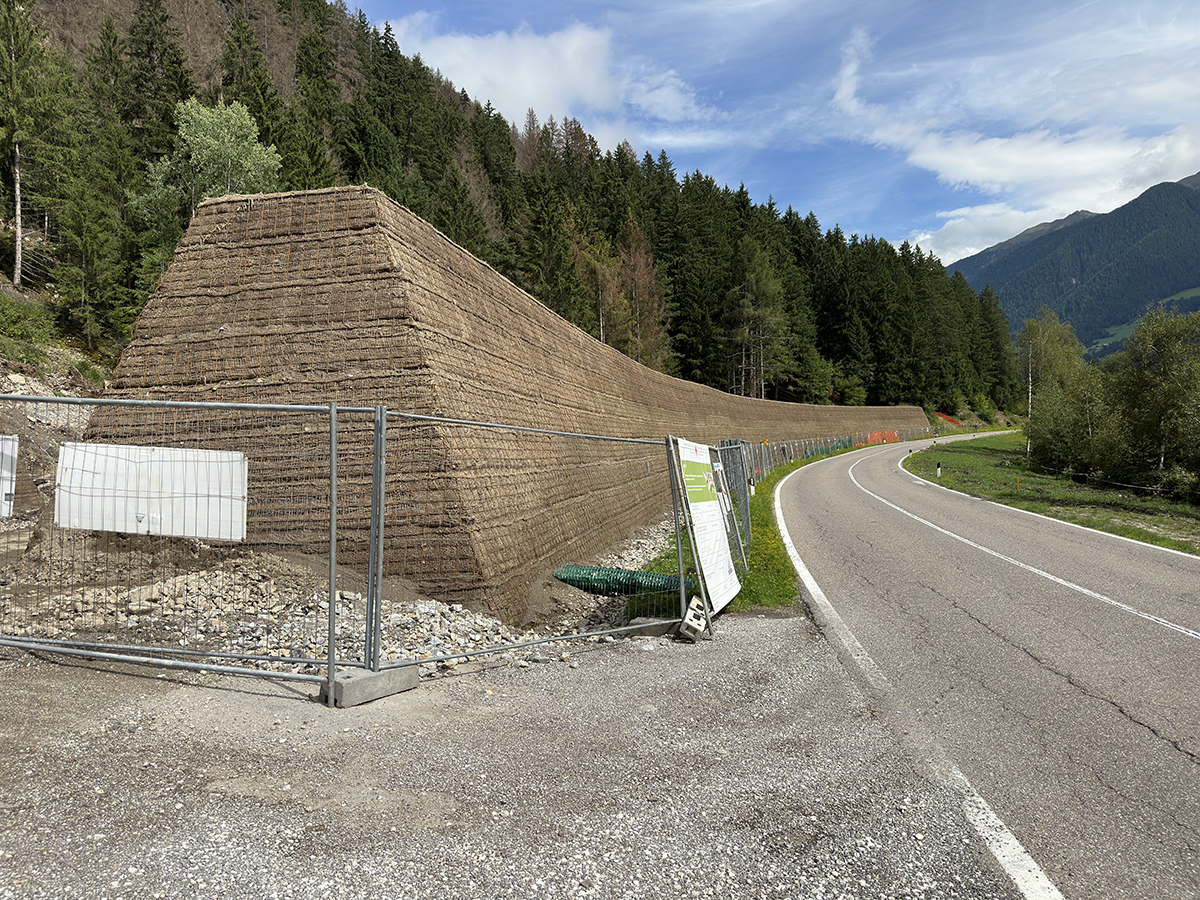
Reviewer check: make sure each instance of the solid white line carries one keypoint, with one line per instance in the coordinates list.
(1028, 512)
(1025, 873)
(1149, 617)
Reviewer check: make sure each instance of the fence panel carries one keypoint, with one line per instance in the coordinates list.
(735, 461)
(209, 535)
(523, 501)
(110, 545)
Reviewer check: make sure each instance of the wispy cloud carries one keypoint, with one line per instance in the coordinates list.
(1044, 140)
(955, 124)
(568, 69)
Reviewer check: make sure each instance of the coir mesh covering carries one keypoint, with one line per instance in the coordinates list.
(343, 295)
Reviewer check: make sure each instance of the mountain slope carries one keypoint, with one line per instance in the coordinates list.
(203, 26)
(971, 266)
(1096, 271)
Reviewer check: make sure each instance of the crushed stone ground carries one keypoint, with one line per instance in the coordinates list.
(750, 765)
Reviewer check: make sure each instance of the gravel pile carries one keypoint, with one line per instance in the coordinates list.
(268, 606)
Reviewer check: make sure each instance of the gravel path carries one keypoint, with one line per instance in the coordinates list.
(750, 765)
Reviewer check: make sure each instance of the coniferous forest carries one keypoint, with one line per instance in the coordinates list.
(110, 139)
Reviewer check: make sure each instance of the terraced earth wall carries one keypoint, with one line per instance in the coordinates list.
(343, 295)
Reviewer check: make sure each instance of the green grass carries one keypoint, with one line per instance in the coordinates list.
(994, 468)
(770, 582)
(1189, 294)
(1115, 334)
(1185, 300)
(24, 329)
(90, 373)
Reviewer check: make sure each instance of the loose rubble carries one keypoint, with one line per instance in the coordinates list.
(269, 612)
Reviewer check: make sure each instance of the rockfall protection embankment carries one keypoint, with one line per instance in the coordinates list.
(343, 295)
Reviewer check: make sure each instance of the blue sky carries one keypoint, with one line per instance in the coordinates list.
(954, 125)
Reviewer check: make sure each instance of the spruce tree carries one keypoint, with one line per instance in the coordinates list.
(36, 116)
(157, 79)
(246, 80)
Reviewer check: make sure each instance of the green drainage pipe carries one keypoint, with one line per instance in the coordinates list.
(597, 580)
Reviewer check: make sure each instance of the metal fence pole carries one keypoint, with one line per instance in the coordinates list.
(676, 503)
(373, 618)
(369, 610)
(333, 442)
(378, 515)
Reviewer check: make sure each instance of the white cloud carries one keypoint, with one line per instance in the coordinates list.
(1045, 176)
(557, 73)
(974, 228)
(661, 95)
(572, 71)
(1069, 159)
(854, 52)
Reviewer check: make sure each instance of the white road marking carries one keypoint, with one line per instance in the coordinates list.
(1149, 617)
(1025, 873)
(1028, 512)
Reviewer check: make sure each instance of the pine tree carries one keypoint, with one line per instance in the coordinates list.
(246, 80)
(599, 272)
(157, 79)
(996, 351)
(307, 131)
(699, 255)
(100, 298)
(547, 263)
(639, 283)
(760, 339)
(36, 109)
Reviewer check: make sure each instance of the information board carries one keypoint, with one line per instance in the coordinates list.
(703, 488)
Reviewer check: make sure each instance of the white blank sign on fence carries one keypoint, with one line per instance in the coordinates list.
(165, 491)
(8, 474)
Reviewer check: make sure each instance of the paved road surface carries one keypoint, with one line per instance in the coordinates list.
(1056, 667)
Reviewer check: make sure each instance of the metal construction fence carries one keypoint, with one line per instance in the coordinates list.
(252, 538)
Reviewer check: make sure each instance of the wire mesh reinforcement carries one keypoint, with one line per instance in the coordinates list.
(341, 294)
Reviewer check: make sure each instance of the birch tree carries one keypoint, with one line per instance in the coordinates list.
(21, 113)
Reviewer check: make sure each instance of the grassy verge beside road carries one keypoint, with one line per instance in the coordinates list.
(770, 582)
(994, 468)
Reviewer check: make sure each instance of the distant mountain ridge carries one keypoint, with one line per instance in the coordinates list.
(997, 252)
(1097, 270)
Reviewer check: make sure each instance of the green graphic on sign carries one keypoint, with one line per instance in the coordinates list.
(702, 484)
(698, 481)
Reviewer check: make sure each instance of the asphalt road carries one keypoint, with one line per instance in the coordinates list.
(1053, 666)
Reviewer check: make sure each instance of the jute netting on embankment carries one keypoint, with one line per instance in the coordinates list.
(343, 295)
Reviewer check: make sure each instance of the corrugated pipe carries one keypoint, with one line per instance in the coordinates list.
(597, 580)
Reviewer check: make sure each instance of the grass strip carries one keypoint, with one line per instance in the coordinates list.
(993, 468)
